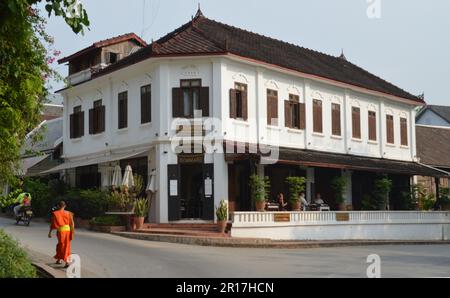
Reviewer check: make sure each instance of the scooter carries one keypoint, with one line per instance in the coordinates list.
(25, 215)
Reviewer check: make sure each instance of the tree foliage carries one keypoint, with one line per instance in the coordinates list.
(26, 55)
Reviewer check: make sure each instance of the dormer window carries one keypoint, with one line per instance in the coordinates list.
(112, 57)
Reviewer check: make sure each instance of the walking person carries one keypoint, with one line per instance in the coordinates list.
(62, 222)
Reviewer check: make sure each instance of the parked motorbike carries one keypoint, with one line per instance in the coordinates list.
(25, 215)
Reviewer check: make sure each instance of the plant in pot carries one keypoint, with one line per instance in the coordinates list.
(296, 187)
(140, 212)
(338, 185)
(259, 187)
(444, 194)
(381, 192)
(222, 216)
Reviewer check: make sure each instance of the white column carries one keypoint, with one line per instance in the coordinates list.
(348, 133)
(261, 107)
(220, 179)
(412, 133)
(382, 128)
(309, 114)
(309, 182)
(161, 199)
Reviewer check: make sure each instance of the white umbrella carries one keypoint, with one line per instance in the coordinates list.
(151, 187)
(128, 179)
(117, 176)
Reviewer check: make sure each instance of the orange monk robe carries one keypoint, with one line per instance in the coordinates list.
(62, 221)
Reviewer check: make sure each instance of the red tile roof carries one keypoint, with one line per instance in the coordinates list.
(104, 43)
(203, 36)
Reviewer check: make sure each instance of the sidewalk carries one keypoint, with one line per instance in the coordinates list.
(262, 243)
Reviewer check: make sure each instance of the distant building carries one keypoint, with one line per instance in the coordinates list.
(433, 143)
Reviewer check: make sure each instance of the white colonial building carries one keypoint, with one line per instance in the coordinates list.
(321, 116)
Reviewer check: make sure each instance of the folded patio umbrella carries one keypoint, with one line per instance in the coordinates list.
(128, 179)
(151, 187)
(117, 176)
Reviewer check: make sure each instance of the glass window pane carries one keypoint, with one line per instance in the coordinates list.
(187, 103)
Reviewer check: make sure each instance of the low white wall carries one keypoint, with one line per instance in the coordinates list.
(353, 225)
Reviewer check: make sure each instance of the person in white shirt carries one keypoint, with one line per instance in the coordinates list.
(318, 200)
(303, 201)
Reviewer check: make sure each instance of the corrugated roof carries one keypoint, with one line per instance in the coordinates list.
(433, 146)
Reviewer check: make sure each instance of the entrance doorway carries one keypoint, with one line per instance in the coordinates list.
(191, 191)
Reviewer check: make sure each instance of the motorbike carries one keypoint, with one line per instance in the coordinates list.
(25, 215)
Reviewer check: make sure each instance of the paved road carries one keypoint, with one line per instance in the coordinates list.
(104, 255)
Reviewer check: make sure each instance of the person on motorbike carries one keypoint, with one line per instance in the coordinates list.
(24, 199)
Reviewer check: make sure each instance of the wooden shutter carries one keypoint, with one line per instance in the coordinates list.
(204, 101)
(372, 126)
(244, 102)
(404, 131)
(177, 102)
(91, 121)
(356, 122)
(233, 103)
(208, 202)
(143, 106)
(273, 120)
(390, 129)
(102, 114)
(72, 126)
(287, 114)
(174, 204)
(302, 115)
(317, 114)
(336, 119)
(80, 131)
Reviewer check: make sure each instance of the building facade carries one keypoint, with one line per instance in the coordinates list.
(207, 105)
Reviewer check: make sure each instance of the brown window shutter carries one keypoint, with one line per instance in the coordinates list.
(102, 119)
(356, 122)
(125, 111)
(372, 126)
(317, 114)
(204, 101)
(233, 103)
(80, 124)
(244, 105)
(177, 102)
(302, 114)
(72, 126)
(269, 110)
(275, 110)
(390, 129)
(404, 131)
(144, 108)
(336, 119)
(287, 114)
(91, 121)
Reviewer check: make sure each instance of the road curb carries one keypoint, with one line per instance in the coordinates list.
(46, 271)
(266, 243)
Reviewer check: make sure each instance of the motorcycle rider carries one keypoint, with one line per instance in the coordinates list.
(24, 199)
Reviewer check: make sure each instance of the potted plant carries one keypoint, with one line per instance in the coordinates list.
(140, 212)
(259, 187)
(444, 194)
(296, 187)
(338, 185)
(381, 192)
(222, 216)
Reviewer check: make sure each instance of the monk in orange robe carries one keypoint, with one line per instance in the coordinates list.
(62, 222)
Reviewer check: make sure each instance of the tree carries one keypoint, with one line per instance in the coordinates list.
(25, 56)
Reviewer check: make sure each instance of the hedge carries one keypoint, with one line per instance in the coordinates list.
(14, 262)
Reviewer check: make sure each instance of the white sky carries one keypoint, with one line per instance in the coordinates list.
(409, 45)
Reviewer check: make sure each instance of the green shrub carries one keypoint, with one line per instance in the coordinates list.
(222, 211)
(338, 184)
(107, 220)
(86, 204)
(14, 262)
(141, 208)
(6, 201)
(259, 187)
(296, 187)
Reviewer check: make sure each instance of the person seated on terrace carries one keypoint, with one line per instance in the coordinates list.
(283, 204)
(304, 202)
(318, 200)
